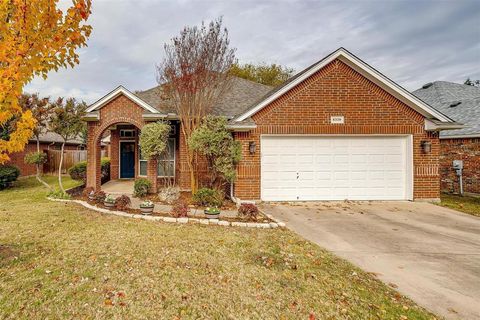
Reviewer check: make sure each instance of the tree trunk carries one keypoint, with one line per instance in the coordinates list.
(190, 158)
(39, 174)
(60, 169)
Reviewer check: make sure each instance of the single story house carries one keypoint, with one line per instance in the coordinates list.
(337, 130)
(48, 141)
(460, 102)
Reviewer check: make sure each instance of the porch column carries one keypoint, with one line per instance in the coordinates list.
(152, 174)
(114, 156)
(93, 160)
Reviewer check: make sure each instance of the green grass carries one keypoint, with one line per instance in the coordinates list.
(470, 205)
(60, 260)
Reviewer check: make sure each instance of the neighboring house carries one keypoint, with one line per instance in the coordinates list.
(462, 103)
(48, 141)
(337, 130)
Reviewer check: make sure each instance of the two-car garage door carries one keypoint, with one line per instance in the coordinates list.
(335, 168)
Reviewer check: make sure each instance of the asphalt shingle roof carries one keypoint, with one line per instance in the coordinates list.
(241, 95)
(445, 96)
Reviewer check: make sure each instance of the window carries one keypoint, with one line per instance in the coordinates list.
(166, 165)
(130, 133)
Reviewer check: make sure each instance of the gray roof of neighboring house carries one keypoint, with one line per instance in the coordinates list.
(51, 137)
(240, 96)
(458, 101)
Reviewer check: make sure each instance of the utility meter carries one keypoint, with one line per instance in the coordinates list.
(458, 166)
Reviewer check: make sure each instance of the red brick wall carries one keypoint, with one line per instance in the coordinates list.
(339, 90)
(467, 150)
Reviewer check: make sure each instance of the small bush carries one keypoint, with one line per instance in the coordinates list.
(79, 170)
(37, 158)
(109, 199)
(208, 197)
(100, 196)
(86, 192)
(248, 211)
(180, 209)
(122, 202)
(8, 174)
(141, 187)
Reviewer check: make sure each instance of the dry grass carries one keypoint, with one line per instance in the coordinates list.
(73, 263)
(470, 205)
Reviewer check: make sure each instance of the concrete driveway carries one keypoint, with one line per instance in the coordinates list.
(431, 253)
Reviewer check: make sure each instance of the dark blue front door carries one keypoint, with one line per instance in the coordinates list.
(127, 159)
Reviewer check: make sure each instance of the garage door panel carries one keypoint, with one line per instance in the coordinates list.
(334, 168)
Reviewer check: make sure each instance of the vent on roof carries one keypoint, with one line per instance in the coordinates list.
(427, 85)
(454, 104)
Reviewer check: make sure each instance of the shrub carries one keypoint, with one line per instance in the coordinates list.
(100, 196)
(86, 192)
(8, 174)
(180, 209)
(79, 170)
(208, 197)
(122, 202)
(37, 158)
(141, 187)
(248, 211)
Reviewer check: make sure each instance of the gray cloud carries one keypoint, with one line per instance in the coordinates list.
(412, 42)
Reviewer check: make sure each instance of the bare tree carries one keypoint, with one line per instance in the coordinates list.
(195, 75)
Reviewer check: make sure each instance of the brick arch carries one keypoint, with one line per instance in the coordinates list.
(104, 126)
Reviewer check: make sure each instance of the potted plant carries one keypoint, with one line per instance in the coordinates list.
(146, 207)
(109, 201)
(92, 196)
(212, 212)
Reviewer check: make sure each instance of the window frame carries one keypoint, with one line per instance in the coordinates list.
(158, 161)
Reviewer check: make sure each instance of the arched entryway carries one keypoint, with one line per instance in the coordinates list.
(125, 162)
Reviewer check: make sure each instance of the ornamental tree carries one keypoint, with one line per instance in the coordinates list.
(153, 141)
(36, 37)
(213, 140)
(195, 76)
(67, 123)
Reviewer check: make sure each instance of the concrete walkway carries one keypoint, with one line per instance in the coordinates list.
(124, 186)
(431, 253)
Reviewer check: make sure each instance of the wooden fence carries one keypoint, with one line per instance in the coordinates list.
(70, 158)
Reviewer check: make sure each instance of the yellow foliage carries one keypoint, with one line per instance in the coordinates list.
(37, 37)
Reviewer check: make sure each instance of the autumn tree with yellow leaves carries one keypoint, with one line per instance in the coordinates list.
(35, 38)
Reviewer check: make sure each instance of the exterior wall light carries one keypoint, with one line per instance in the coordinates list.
(426, 146)
(252, 147)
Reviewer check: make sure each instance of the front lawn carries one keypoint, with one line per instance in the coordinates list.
(470, 205)
(61, 260)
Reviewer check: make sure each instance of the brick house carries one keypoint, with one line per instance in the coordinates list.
(462, 103)
(337, 130)
(48, 141)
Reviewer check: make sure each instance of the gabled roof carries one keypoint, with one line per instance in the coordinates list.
(117, 92)
(460, 102)
(366, 70)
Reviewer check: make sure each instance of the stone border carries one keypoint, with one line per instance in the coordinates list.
(271, 225)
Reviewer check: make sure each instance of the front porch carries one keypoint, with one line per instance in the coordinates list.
(119, 187)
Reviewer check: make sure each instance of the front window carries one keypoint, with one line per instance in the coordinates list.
(166, 165)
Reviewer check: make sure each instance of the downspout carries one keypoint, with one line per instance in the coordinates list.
(236, 200)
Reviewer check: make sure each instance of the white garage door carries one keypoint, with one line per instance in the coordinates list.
(335, 168)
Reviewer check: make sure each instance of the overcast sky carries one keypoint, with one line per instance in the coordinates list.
(412, 42)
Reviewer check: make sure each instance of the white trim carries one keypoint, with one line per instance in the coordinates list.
(409, 179)
(120, 159)
(365, 70)
(115, 93)
(465, 136)
(432, 126)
